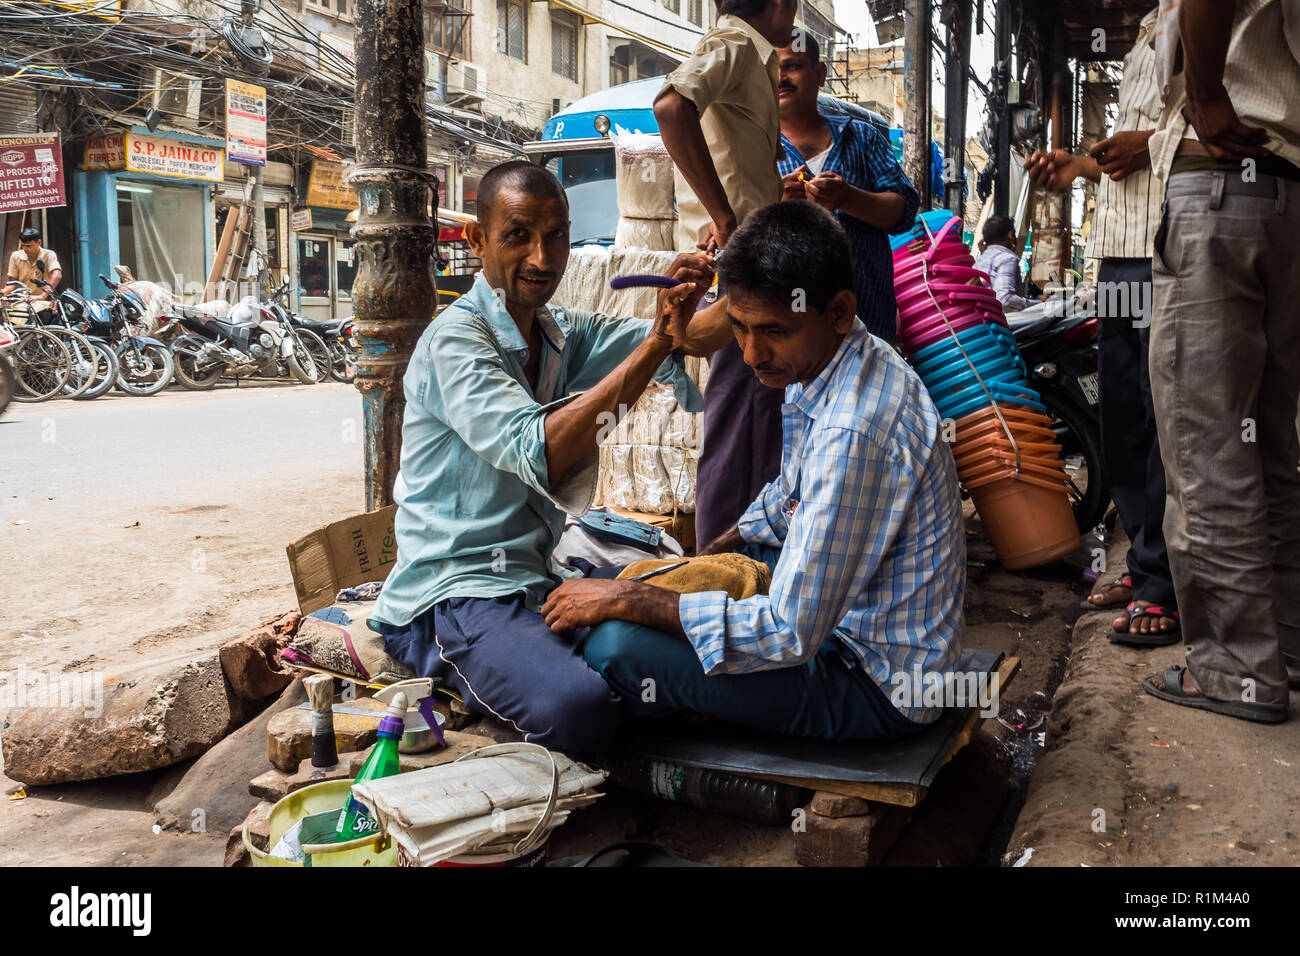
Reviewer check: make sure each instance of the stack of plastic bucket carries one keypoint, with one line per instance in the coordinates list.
(956, 338)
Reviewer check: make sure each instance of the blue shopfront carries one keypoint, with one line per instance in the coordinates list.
(145, 200)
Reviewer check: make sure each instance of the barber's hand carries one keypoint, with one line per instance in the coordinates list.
(694, 268)
(828, 190)
(581, 602)
(1123, 154)
(1053, 169)
(1219, 128)
(792, 185)
(675, 308)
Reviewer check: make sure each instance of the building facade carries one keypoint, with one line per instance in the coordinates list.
(139, 99)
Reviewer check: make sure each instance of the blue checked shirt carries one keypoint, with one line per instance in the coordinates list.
(867, 515)
(862, 155)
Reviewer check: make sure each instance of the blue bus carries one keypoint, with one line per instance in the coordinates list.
(576, 147)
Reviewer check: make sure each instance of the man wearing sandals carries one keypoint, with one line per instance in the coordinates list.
(1128, 212)
(1225, 348)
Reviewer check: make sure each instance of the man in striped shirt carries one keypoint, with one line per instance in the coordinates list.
(864, 611)
(1123, 229)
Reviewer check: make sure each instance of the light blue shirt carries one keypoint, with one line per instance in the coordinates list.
(478, 515)
(1002, 266)
(867, 514)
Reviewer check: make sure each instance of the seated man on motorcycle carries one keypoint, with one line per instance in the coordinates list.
(507, 398)
(30, 262)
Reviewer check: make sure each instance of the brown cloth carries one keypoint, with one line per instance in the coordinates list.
(739, 576)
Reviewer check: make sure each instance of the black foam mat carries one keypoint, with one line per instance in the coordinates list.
(912, 760)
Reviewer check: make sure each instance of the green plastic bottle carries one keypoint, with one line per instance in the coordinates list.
(355, 821)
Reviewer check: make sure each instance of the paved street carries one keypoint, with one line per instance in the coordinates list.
(133, 523)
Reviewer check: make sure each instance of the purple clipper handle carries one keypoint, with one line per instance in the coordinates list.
(635, 281)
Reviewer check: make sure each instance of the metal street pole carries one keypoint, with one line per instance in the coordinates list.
(956, 86)
(916, 94)
(1001, 90)
(248, 9)
(394, 293)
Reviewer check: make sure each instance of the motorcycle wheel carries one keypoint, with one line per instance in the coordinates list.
(343, 368)
(189, 373)
(42, 365)
(1080, 437)
(106, 370)
(148, 374)
(8, 381)
(310, 359)
(84, 361)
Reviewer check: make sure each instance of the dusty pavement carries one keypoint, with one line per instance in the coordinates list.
(135, 527)
(132, 524)
(157, 526)
(1129, 780)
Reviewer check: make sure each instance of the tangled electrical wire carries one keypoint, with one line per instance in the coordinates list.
(90, 67)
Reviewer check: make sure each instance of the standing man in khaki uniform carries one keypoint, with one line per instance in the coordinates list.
(719, 118)
(22, 268)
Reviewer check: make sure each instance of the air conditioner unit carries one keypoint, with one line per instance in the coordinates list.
(466, 83)
(176, 94)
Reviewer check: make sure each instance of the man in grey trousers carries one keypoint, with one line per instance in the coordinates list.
(1225, 349)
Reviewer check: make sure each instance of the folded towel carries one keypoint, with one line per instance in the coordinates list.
(738, 575)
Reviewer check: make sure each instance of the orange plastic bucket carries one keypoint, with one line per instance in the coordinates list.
(1029, 522)
(993, 429)
(974, 474)
(973, 452)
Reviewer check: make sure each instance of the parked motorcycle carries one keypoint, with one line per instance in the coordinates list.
(254, 338)
(1058, 342)
(339, 341)
(94, 364)
(145, 364)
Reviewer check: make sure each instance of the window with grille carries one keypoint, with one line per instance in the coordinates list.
(512, 28)
(564, 44)
(695, 12)
(675, 6)
(448, 32)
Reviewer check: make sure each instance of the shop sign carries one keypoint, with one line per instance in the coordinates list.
(326, 188)
(245, 123)
(31, 172)
(300, 219)
(173, 157)
(105, 152)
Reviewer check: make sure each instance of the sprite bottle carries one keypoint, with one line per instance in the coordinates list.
(355, 821)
